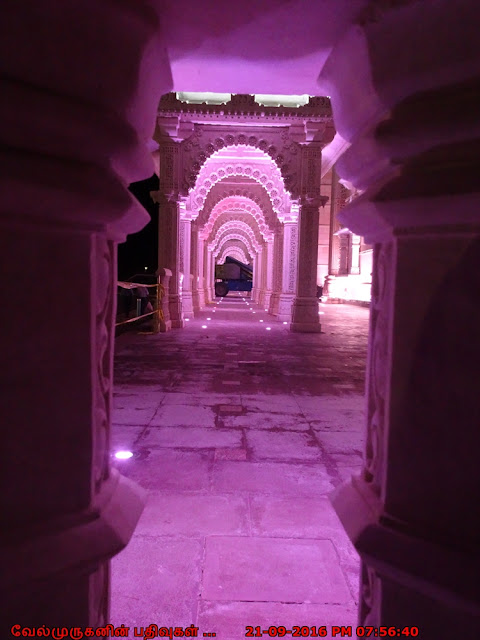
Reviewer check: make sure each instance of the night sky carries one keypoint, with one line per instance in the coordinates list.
(141, 249)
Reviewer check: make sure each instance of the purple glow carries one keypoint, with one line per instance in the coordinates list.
(123, 455)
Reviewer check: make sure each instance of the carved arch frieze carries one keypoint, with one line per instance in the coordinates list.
(241, 193)
(283, 152)
(218, 243)
(233, 242)
(238, 227)
(243, 206)
(234, 252)
(241, 220)
(267, 175)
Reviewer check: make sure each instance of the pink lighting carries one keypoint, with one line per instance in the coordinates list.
(123, 455)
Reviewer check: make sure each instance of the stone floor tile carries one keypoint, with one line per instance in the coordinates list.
(148, 582)
(230, 454)
(229, 619)
(124, 437)
(193, 515)
(257, 420)
(273, 570)
(133, 415)
(277, 517)
(165, 469)
(192, 437)
(352, 459)
(184, 416)
(341, 442)
(271, 478)
(286, 445)
(198, 399)
(275, 403)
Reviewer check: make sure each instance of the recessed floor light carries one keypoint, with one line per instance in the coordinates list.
(269, 328)
(285, 323)
(123, 455)
(204, 326)
(261, 320)
(208, 318)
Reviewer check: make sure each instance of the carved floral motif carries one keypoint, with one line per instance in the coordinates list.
(378, 364)
(103, 278)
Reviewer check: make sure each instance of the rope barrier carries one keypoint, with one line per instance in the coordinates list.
(156, 313)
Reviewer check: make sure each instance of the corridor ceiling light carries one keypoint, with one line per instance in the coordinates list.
(123, 455)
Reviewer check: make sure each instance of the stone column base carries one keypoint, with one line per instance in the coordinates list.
(285, 302)
(305, 316)
(266, 300)
(187, 304)
(176, 313)
(274, 302)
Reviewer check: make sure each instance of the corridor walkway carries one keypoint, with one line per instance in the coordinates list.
(240, 430)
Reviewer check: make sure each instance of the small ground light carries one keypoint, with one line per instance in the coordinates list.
(269, 328)
(208, 318)
(187, 319)
(261, 320)
(321, 313)
(123, 455)
(204, 326)
(285, 323)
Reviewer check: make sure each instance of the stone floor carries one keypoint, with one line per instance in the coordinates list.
(240, 431)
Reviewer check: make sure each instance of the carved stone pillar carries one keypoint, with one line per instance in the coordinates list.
(165, 322)
(185, 242)
(169, 254)
(355, 257)
(305, 306)
(194, 268)
(413, 514)
(289, 269)
(262, 261)
(268, 274)
(210, 273)
(65, 511)
(201, 272)
(257, 276)
(277, 271)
